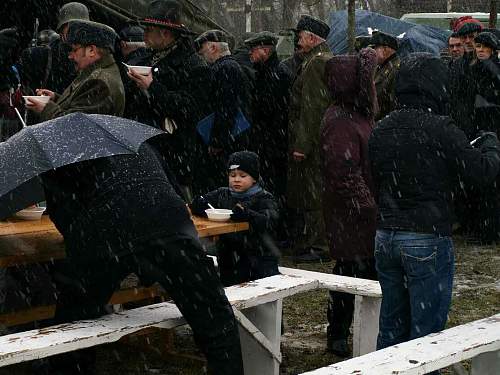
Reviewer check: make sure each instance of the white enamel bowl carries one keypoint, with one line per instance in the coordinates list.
(37, 98)
(33, 213)
(218, 214)
(142, 70)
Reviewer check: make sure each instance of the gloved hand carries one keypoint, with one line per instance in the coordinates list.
(485, 139)
(240, 213)
(199, 205)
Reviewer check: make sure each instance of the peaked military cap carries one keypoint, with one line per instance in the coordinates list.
(313, 25)
(488, 39)
(264, 38)
(72, 12)
(362, 41)
(166, 14)
(89, 33)
(132, 34)
(211, 36)
(380, 38)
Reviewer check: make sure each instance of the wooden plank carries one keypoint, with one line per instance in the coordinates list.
(425, 354)
(47, 312)
(35, 344)
(352, 285)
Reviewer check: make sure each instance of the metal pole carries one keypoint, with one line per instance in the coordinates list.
(248, 15)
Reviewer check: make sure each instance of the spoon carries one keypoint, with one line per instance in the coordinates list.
(212, 207)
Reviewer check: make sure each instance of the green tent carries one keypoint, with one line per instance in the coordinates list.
(115, 13)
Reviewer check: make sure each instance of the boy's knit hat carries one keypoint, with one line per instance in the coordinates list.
(246, 161)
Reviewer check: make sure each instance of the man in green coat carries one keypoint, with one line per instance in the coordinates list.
(98, 87)
(309, 100)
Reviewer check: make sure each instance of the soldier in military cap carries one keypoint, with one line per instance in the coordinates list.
(98, 87)
(229, 94)
(175, 95)
(309, 100)
(270, 111)
(388, 61)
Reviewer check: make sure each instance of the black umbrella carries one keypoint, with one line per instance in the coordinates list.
(66, 140)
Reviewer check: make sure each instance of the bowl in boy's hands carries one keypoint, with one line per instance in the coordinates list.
(42, 99)
(218, 214)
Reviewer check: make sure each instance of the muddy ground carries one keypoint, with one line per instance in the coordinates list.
(476, 295)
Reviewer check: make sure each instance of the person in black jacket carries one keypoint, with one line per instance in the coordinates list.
(251, 255)
(121, 215)
(229, 96)
(270, 111)
(417, 157)
(175, 95)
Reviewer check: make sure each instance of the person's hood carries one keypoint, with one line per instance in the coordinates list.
(422, 83)
(350, 80)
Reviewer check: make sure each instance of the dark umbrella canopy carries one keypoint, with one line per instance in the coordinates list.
(66, 140)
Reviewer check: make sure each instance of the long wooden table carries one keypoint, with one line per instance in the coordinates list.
(25, 242)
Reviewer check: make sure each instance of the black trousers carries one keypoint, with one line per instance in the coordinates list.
(341, 306)
(86, 282)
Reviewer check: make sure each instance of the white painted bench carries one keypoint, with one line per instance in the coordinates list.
(479, 340)
(257, 306)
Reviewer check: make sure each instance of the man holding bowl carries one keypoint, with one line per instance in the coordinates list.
(98, 87)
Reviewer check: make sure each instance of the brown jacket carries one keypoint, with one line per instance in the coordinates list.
(97, 89)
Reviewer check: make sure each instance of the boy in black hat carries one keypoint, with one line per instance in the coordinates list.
(251, 255)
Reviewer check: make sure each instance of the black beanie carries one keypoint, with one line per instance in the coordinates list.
(246, 161)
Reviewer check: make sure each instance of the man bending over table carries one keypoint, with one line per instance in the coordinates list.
(120, 215)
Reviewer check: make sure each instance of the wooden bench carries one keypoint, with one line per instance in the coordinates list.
(479, 340)
(257, 306)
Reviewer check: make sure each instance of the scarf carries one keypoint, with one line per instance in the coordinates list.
(246, 194)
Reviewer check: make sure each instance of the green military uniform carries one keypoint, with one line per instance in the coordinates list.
(385, 82)
(309, 100)
(97, 89)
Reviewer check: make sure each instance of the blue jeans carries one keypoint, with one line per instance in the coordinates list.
(415, 271)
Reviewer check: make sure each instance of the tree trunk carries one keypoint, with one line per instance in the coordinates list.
(371, 4)
(493, 14)
(289, 8)
(339, 4)
(351, 24)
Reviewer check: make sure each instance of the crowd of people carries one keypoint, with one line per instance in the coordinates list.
(364, 158)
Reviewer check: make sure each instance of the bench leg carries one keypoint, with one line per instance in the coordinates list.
(260, 335)
(365, 326)
(486, 364)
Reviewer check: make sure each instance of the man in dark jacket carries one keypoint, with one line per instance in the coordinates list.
(229, 96)
(270, 112)
(462, 81)
(175, 95)
(120, 215)
(386, 47)
(98, 88)
(417, 157)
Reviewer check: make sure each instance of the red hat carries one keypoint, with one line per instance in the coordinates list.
(459, 22)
